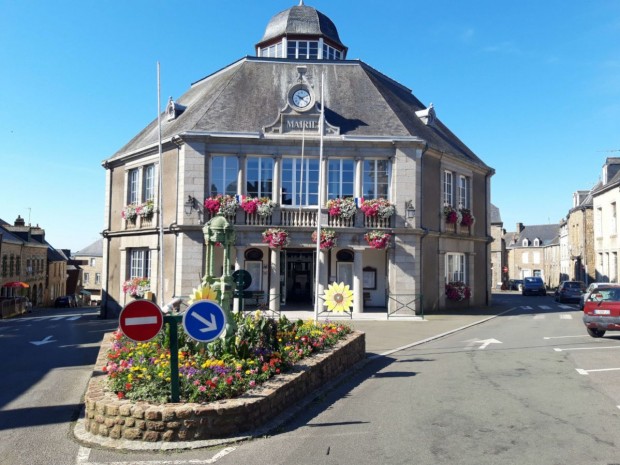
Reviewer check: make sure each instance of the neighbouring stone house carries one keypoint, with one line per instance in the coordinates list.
(253, 132)
(90, 260)
(534, 251)
(605, 201)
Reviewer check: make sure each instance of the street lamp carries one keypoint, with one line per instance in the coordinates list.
(409, 209)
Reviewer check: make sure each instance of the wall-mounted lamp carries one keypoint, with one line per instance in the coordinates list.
(191, 204)
(409, 209)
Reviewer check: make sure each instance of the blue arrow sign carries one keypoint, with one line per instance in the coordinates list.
(204, 321)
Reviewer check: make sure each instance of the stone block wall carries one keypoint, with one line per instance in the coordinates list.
(108, 416)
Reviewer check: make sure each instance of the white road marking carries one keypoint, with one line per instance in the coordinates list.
(84, 455)
(566, 316)
(539, 317)
(586, 372)
(544, 307)
(585, 348)
(564, 337)
(566, 307)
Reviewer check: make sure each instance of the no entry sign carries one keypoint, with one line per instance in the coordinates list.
(141, 320)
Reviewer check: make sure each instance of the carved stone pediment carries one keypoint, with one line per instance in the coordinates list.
(292, 122)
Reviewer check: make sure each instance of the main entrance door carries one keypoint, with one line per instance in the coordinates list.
(299, 276)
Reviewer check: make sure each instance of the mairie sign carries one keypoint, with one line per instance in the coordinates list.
(204, 321)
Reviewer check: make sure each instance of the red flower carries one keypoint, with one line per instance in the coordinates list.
(121, 395)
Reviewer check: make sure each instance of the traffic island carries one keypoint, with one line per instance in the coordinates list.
(108, 419)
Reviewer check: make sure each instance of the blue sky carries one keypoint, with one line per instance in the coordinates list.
(532, 87)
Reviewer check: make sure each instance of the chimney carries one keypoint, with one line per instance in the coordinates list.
(19, 221)
(519, 227)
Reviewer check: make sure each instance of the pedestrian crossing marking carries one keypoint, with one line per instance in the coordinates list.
(565, 316)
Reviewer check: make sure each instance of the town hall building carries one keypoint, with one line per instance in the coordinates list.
(295, 137)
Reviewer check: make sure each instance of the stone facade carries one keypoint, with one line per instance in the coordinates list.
(110, 417)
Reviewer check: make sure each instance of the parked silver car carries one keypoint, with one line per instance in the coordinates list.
(570, 291)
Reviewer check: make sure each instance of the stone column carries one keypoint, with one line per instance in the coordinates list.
(274, 280)
(358, 283)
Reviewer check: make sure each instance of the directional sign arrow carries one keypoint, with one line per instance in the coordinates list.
(47, 340)
(209, 325)
(485, 343)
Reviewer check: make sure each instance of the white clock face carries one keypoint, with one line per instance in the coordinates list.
(301, 98)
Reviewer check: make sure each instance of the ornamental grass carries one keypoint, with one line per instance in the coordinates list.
(260, 349)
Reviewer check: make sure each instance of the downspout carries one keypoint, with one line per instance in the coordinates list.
(423, 228)
(583, 248)
(489, 236)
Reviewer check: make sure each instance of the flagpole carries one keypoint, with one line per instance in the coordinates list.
(318, 217)
(160, 261)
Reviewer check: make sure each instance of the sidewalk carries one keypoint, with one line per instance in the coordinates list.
(384, 336)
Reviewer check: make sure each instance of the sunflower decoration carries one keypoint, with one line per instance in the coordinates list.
(338, 297)
(204, 292)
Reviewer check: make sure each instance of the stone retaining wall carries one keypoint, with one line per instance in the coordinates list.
(108, 416)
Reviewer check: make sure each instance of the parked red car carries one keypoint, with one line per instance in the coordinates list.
(601, 311)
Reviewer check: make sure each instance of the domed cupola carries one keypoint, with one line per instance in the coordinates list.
(301, 33)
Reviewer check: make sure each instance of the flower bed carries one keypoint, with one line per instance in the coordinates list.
(108, 416)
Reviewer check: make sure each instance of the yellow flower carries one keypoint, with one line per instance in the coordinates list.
(338, 297)
(202, 293)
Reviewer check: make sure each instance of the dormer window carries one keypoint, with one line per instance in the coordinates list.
(427, 115)
(174, 110)
(536, 242)
(526, 242)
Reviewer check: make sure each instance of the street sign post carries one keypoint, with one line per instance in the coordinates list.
(204, 321)
(141, 320)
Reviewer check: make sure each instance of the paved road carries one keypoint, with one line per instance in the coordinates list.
(524, 387)
(48, 359)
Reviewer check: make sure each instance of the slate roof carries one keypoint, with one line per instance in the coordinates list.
(496, 218)
(548, 234)
(93, 250)
(8, 236)
(247, 96)
(301, 20)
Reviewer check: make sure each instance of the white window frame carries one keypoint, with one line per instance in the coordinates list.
(613, 223)
(340, 172)
(261, 171)
(464, 192)
(148, 183)
(220, 175)
(448, 188)
(456, 268)
(133, 183)
(139, 263)
(300, 188)
(376, 183)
